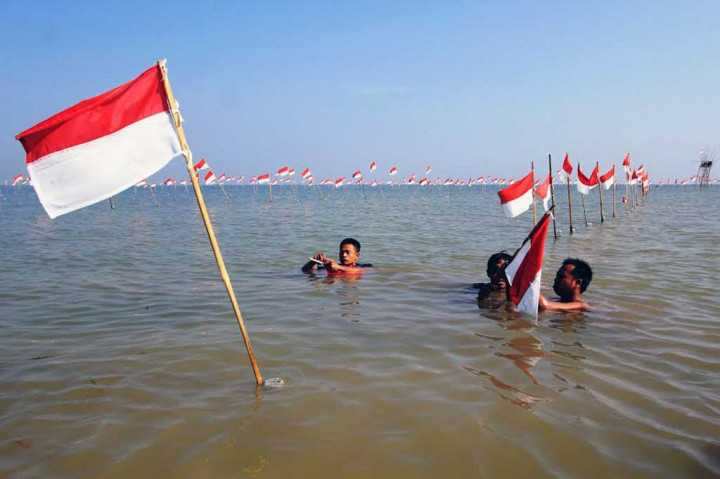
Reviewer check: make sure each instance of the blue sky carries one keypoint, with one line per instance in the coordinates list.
(471, 88)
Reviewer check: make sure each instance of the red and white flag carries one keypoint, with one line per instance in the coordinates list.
(567, 168)
(169, 182)
(103, 145)
(210, 178)
(201, 165)
(291, 172)
(183, 182)
(306, 174)
(626, 163)
(518, 197)
(17, 179)
(339, 182)
(543, 192)
(373, 183)
(222, 178)
(357, 175)
(153, 184)
(141, 184)
(283, 171)
(264, 179)
(634, 178)
(608, 179)
(428, 170)
(393, 171)
(585, 184)
(372, 166)
(525, 269)
(423, 181)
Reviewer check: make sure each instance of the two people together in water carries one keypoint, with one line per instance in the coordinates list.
(571, 280)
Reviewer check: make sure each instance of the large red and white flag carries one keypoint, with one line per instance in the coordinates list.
(543, 192)
(103, 145)
(608, 179)
(525, 269)
(372, 166)
(518, 197)
(264, 179)
(585, 184)
(393, 171)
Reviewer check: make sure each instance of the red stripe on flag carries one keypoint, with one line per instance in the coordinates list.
(517, 189)
(98, 116)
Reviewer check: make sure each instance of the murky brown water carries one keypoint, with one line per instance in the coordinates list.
(120, 357)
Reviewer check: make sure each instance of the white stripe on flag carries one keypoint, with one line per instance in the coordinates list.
(84, 174)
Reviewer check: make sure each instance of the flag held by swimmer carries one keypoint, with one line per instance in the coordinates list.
(518, 197)
(103, 145)
(525, 269)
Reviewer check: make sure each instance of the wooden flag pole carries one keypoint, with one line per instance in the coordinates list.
(152, 195)
(552, 194)
(582, 197)
(206, 219)
(112, 207)
(532, 168)
(614, 185)
(569, 203)
(600, 187)
(270, 185)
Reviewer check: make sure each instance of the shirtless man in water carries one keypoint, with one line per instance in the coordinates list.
(571, 280)
(349, 254)
(496, 272)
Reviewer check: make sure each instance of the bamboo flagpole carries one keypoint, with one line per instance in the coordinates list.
(569, 202)
(602, 212)
(582, 197)
(552, 195)
(532, 168)
(206, 220)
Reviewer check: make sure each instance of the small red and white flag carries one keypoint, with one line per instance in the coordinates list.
(264, 179)
(608, 179)
(634, 178)
(393, 171)
(306, 174)
(153, 184)
(283, 171)
(428, 170)
(423, 181)
(169, 182)
(210, 178)
(253, 180)
(411, 180)
(291, 172)
(240, 179)
(525, 269)
(373, 183)
(201, 165)
(141, 184)
(373, 166)
(103, 145)
(17, 179)
(183, 183)
(626, 163)
(357, 175)
(567, 168)
(222, 178)
(518, 197)
(585, 184)
(339, 182)
(543, 192)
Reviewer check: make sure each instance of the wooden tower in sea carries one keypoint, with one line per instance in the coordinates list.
(706, 161)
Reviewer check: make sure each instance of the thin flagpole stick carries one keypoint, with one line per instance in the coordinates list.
(582, 197)
(614, 185)
(270, 185)
(532, 168)
(112, 207)
(602, 213)
(569, 203)
(224, 192)
(206, 219)
(152, 195)
(552, 194)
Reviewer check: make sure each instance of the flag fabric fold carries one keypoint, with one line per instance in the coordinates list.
(525, 270)
(543, 192)
(585, 184)
(102, 145)
(608, 179)
(518, 197)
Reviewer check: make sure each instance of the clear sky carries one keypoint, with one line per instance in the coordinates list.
(471, 88)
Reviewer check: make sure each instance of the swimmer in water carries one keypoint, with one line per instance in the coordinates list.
(571, 280)
(496, 272)
(349, 254)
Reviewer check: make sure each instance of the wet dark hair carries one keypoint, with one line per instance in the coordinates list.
(582, 271)
(494, 259)
(351, 241)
